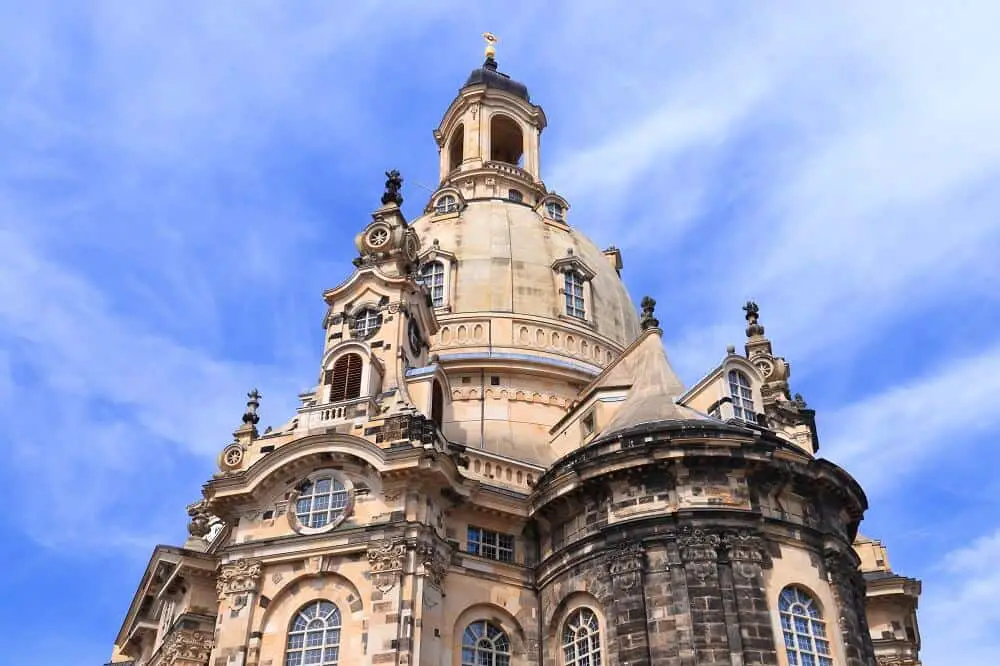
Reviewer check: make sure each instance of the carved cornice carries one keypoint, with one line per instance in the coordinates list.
(238, 577)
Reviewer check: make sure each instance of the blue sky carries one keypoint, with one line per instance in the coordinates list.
(179, 184)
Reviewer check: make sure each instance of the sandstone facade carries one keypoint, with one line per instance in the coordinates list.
(498, 466)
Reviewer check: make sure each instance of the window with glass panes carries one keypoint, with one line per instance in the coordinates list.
(366, 323)
(554, 210)
(321, 501)
(804, 631)
(446, 204)
(432, 275)
(487, 543)
(742, 395)
(573, 287)
(314, 636)
(485, 644)
(582, 639)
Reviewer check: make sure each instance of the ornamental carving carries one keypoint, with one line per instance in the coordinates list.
(386, 556)
(698, 545)
(186, 646)
(699, 551)
(625, 565)
(238, 577)
(746, 552)
(385, 560)
(435, 564)
(200, 517)
(626, 558)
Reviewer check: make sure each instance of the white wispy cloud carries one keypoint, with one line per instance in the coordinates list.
(958, 612)
(834, 146)
(883, 438)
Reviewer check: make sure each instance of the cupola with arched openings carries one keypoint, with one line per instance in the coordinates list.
(492, 123)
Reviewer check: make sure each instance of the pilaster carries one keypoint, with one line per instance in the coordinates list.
(625, 565)
(238, 585)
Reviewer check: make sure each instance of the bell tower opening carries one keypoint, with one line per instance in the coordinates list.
(456, 148)
(506, 141)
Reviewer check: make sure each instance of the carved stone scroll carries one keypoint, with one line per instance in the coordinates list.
(385, 561)
(238, 577)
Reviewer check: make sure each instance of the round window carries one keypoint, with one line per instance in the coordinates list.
(366, 323)
(321, 502)
(378, 237)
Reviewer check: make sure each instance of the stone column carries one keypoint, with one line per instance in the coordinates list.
(237, 587)
(667, 621)
(708, 618)
(747, 557)
(625, 564)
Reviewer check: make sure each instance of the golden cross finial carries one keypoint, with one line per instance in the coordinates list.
(491, 41)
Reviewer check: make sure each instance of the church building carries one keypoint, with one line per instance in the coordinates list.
(497, 466)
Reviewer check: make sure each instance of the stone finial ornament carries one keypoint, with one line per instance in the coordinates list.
(250, 417)
(754, 327)
(393, 188)
(647, 320)
(200, 517)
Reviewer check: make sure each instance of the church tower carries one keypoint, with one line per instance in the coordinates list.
(496, 465)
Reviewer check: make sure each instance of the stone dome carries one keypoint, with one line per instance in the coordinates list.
(507, 258)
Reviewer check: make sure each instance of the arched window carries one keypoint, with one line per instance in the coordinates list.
(432, 275)
(805, 632)
(437, 404)
(515, 195)
(554, 210)
(322, 500)
(345, 378)
(447, 203)
(485, 644)
(742, 395)
(574, 294)
(366, 323)
(506, 140)
(456, 148)
(314, 636)
(582, 639)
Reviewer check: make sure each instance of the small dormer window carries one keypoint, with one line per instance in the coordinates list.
(446, 204)
(432, 276)
(573, 287)
(742, 395)
(555, 211)
(515, 196)
(366, 323)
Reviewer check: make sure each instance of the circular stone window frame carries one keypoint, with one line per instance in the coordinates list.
(293, 498)
(232, 457)
(355, 335)
(378, 231)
